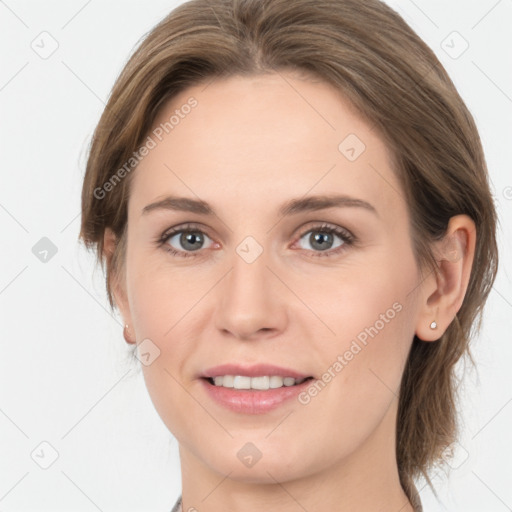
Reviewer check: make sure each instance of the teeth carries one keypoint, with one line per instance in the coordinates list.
(228, 381)
(276, 381)
(241, 382)
(261, 383)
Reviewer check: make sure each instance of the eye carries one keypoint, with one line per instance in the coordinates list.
(322, 240)
(184, 241)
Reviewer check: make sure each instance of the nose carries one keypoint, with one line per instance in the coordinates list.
(251, 301)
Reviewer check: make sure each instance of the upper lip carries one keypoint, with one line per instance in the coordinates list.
(256, 370)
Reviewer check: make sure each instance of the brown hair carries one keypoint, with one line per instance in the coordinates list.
(370, 54)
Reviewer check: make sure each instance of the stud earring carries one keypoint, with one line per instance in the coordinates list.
(433, 325)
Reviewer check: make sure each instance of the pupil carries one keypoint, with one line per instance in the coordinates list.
(320, 239)
(191, 238)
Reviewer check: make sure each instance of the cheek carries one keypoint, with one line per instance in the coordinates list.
(362, 368)
(161, 294)
(371, 362)
(371, 312)
(364, 302)
(159, 308)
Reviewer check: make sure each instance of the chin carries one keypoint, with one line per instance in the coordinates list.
(281, 465)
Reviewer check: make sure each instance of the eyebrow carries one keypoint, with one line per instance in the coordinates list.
(291, 207)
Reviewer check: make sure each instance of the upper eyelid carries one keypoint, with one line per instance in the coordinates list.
(325, 225)
(168, 233)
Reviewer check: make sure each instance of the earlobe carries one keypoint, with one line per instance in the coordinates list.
(454, 257)
(127, 335)
(429, 329)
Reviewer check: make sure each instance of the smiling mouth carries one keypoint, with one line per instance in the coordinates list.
(260, 383)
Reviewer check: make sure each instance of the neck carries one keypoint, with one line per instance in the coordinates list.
(365, 480)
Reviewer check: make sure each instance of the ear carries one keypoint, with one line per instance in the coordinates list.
(115, 277)
(444, 291)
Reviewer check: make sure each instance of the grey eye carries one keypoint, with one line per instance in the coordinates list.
(321, 240)
(188, 240)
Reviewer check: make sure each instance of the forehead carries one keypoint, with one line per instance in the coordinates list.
(263, 137)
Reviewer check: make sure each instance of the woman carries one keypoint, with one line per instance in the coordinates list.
(292, 205)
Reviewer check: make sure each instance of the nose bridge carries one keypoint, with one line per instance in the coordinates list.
(249, 300)
(249, 277)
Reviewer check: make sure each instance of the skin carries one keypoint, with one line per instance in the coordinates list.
(250, 145)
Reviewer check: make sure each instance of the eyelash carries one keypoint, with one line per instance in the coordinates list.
(347, 238)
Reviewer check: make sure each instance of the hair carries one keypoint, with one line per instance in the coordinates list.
(395, 81)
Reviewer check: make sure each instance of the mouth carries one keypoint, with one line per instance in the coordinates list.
(255, 394)
(257, 383)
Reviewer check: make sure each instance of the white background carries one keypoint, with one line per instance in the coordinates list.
(64, 376)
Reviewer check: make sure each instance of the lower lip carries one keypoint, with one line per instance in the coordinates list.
(249, 401)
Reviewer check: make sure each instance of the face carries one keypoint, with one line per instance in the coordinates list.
(297, 263)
